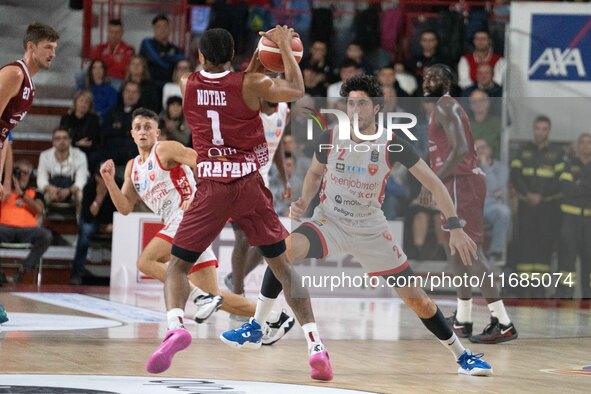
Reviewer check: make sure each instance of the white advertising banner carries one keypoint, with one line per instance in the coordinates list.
(132, 233)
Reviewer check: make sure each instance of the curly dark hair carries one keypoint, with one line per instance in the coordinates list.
(365, 83)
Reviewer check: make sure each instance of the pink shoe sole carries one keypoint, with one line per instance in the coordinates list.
(175, 341)
(321, 368)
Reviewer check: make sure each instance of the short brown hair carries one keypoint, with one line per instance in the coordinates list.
(37, 32)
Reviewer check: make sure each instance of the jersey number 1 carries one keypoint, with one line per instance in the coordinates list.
(215, 127)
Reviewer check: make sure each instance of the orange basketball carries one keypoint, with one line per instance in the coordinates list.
(270, 55)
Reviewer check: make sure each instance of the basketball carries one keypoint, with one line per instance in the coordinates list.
(270, 55)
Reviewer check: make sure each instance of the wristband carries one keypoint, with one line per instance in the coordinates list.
(454, 222)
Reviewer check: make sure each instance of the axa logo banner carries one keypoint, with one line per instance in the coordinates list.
(560, 47)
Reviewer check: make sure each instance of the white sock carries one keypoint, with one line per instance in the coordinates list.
(175, 318)
(464, 313)
(196, 292)
(311, 334)
(454, 345)
(497, 309)
(273, 317)
(264, 307)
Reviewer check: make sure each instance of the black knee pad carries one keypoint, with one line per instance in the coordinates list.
(271, 251)
(184, 254)
(315, 251)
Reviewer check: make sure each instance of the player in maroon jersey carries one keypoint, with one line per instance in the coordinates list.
(17, 88)
(453, 159)
(222, 109)
(16, 84)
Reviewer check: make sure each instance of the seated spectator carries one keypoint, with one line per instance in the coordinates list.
(484, 82)
(117, 143)
(355, 52)
(83, 125)
(96, 215)
(316, 70)
(115, 53)
(483, 53)
(484, 124)
(349, 68)
(387, 77)
(138, 72)
(173, 88)
(62, 171)
(172, 122)
(160, 53)
(104, 95)
(496, 212)
(429, 55)
(20, 218)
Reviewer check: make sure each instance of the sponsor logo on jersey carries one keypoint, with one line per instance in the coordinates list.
(356, 169)
(561, 50)
(136, 176)
(220, 153)
(152, 176)
(340, 167)
(150, 165)
(387, 235)
(375, 156)
(372, 169)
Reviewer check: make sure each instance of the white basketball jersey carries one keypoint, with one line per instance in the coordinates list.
(162, 190)
(273, 125)
(354, 183)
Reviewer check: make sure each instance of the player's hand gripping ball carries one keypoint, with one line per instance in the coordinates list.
(270, 55)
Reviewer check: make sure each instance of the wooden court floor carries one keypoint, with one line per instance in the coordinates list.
(414, 363)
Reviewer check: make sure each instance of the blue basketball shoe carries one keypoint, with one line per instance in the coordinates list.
(471, 364)
(3, 316)
(249, 336)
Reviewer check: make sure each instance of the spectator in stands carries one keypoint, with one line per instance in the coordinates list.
(429, 55)
(497, 213)
(96, 215)
(485, 125)
(104, 95)
(138, 72)
(115, 53)
(172, 122)
(62, 171)
(20, 218)
(117, 143)
(316, 70)
(173, 88)
(484, 82)
(349, 68)
(483, 53)
(160, 53)
(355, 52)
(83, 125)
(387, 77)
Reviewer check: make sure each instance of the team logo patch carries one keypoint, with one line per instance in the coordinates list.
(277, 133)
(372, 169)
(340, 167)
(150, 165)
(375, 156)
(387, 235)
(152, 176)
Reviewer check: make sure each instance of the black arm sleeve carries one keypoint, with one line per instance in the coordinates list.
(408, 156)
(322, 154)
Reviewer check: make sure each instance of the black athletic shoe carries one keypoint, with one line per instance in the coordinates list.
(462, 330)
(278, 329)
(496, 332)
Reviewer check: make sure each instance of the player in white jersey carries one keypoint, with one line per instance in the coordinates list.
(352, 176)
(161, 176)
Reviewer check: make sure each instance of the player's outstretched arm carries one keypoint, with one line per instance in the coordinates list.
(459, 241)
(172, 153)
(447, 114)
(125, 198)
(312, 183)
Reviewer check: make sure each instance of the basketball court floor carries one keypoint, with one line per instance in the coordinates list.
(87, 340)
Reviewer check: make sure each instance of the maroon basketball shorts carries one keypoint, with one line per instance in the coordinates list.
(468, 193)
(247, 201)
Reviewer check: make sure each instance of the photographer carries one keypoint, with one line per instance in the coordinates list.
(20, 217)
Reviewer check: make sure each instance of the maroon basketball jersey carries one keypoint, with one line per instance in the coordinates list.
(440, 148)
(227, 135)
(19, 105)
